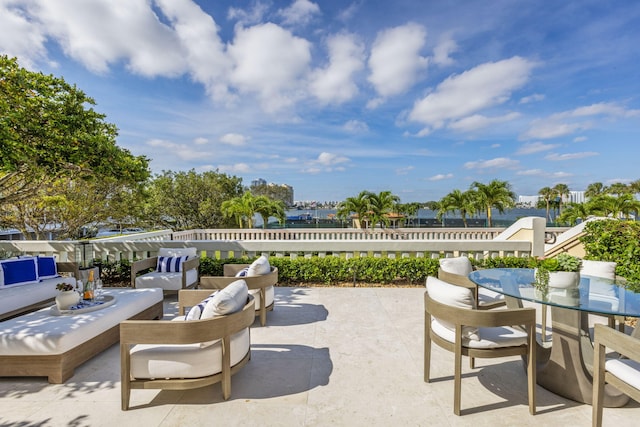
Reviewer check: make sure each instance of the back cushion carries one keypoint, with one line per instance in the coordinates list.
(228, 300)
(454, 296)
(195, 312)
(606, 269)
(19, 271)
(459, 265)
(47, 268)
(192, 252)
(169, 264)
(259, 267)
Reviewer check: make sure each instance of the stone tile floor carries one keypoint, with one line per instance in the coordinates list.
(328, 356)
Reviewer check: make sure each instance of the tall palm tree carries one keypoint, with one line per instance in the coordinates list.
(358, 206)
(547, 194)
(241, 208)
(595, 189)
(381, 205)
(267, 207)
(573, 212)
(618, 189)
(462, 202)
(562, 191)
(497, 194)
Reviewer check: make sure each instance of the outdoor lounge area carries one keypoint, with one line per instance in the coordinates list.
(327, 356)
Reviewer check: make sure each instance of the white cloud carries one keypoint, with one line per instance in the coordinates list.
(101, 32)
(404, 170)
(200, 141)
(329, 159)
(499, 162)
(479, 121)
(440, 177)
(250, 16)
(270, 62)
(22, 37)
(531, 98)
(547, 129)
(535, 147)
(579, 139)
(235, 168)
(555, 157)
(300, 12)
(395, 60)
(531, 172)
(442, 52)
(356, 126)
(335, 83)
(182, 151)
(463, 95)
(234, 139)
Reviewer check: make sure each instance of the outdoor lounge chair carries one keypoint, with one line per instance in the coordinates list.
(171, 272)
(182, 354)
(453, 322)
(622, 373)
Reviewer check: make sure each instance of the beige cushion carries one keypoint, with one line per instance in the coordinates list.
(191, 252)
(185, 361)
(259, 267)
(497, 337)
(228, 300)
(459, 265)
(626, 369)
(454, 296)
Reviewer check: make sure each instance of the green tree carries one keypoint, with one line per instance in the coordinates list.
(381, 205)
(49, 130)
(241, 208)
(595, 189)
(497, 194)
(573, 212)
(618, 189)
(358, 206)
(546, 194)
(462, 202)
(561, 191)
(267, 208)
(185, 200)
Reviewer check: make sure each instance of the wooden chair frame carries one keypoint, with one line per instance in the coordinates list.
(147, 263)
(187, 332)
(253, 282)
(625, 345)
(524, 317)
(464, 281)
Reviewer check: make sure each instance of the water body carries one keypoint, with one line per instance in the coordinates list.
(425, 218)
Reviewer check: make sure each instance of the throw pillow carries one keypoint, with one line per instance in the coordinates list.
(459, 265)
(195, 312)
(19, 271)
(259, 267)
(455, 296)
(227, 301)
(243, 272)
(47, 268)
(169, 264)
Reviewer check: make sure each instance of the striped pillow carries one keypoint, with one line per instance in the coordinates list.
(195, 312)
(170, 264)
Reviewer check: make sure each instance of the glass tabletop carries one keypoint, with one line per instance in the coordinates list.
(595, 294)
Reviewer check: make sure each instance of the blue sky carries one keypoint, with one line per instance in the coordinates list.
(334, 97)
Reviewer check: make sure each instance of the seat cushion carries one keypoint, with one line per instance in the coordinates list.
(458, 265)
(166, 281)
(269, 296)
(626, 369)
(487, 296)
(185, 361)
(454, 296)
(498, 337)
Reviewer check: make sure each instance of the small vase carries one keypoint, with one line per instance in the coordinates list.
(66, 299)
(564, 279)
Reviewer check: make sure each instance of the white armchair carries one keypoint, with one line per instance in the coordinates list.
(171, 273)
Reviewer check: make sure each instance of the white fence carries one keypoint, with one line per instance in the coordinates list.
(524, 238)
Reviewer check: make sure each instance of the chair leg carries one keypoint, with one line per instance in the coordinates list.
(125, 376)
(457, 381)
(531, 370)
(598, 385)
(427, 347)
(472, 362)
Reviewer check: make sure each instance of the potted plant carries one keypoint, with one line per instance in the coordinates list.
(67, 296)
(561, 272)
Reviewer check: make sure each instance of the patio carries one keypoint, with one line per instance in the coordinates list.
(328, 356)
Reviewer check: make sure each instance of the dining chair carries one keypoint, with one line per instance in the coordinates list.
(456, 270)
(623, 372)
(453, 323)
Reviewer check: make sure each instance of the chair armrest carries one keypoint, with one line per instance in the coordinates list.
(141, 265)
(232, 269)
(617, 341)
(191, 264)
(253, 282)
(217, 282)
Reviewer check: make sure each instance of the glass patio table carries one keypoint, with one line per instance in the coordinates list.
(566, 367)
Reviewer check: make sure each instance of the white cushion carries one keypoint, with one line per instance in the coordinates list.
(454, 296)
(41, 332)
(166, 281)
(191, 252)
(186, 361)
(228, 300)
(259, 267)
(269, 292)
(195, 312)
(626, 369)
(459, 265)
(498, 337)
(16, 297)
(606, 269)
(487, 296)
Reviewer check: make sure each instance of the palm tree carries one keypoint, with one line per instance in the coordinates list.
(497, 194)
(573, 212)
(618, 189)
(457, 201)
(267, 207)
(595, 189)
(562, 191)
(547, 194)
(241, 208)
(381, 205)
(358, 206)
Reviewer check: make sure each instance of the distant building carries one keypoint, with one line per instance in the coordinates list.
(258, 182)
(284, 192)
